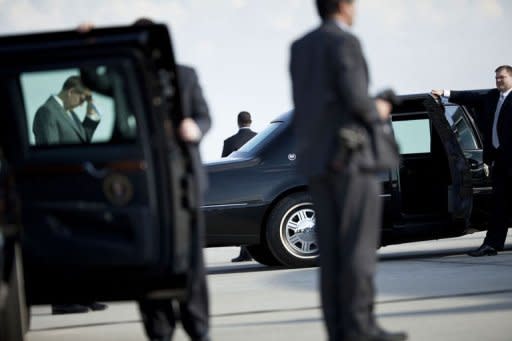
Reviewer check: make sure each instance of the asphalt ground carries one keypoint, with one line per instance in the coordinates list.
(432, 290)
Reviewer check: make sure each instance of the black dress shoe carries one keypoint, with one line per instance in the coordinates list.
(484, 250)
(378, 334)
(58, 309)
(382, 335)
(244, 256)
(204, 338)
(97, 306)
(241, 259)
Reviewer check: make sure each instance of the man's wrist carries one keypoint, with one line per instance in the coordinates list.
(92, 112)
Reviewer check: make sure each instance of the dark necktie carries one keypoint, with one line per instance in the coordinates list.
(495, 139)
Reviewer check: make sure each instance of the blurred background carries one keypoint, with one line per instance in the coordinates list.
(240, 48)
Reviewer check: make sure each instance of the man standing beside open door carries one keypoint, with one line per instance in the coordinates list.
(496, 122)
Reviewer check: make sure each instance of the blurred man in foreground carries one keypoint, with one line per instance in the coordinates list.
(334, 121)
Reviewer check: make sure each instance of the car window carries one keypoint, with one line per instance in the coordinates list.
(254, 143)
(77, 105)
(461, 127)
(413, 136)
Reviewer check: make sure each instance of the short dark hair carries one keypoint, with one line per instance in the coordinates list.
(244, 118)
(507, 68)
(326, 8)
(73, 82)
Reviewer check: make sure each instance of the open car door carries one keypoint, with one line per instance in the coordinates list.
(106, 218)
(460, 190)
(434, 184)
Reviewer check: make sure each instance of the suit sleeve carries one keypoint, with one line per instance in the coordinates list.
(89, 127)
(199, 108)
(224, 150)
(45, 127)
(352, 80)
(466, 97)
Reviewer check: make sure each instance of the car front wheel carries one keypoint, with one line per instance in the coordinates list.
(291, 231)
(262, 255)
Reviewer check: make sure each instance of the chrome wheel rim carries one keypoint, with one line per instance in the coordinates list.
(299, 231)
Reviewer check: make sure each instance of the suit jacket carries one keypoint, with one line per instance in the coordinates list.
(52, 125)
(236, 141)
(195, 107)
(487, 103)
(192, 102)
(330, 90)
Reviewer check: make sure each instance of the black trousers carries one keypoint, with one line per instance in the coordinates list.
(501, 199)
(160, 316)
(348, 214)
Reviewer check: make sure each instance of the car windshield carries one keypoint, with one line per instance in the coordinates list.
(254, 143)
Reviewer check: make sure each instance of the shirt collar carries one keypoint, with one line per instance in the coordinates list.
(57, 98)
(244, 128)
(505, 94)
(342, 25)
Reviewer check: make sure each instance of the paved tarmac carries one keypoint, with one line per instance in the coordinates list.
(430, 289)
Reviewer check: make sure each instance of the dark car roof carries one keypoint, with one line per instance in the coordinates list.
(406, 100)
(409, 102)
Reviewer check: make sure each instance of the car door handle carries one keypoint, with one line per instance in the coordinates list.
(473, 164)
(93, 171)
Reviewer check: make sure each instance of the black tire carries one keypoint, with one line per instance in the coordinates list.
(291, 233)
(14, 317)
(262, 255)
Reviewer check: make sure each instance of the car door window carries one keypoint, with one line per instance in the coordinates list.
(57, 107)
(413, 136)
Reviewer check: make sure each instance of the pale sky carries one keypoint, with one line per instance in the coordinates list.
(240, 48)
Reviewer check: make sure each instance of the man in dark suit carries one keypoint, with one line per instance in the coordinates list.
(159, 316)
(495, 124)
(55, 121)
(231, 144)
(243, 135)
(330, 91)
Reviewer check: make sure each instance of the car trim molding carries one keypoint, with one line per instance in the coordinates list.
(225, 205)
(479, 190)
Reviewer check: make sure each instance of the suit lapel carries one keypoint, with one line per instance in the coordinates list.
(72, 123)
(77, 125)
(506, 104)
(504, 110)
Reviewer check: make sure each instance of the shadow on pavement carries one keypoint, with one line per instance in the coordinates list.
(252, 267)
(422, 254)
(475, 308)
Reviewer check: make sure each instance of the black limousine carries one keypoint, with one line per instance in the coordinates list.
(440, 188)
